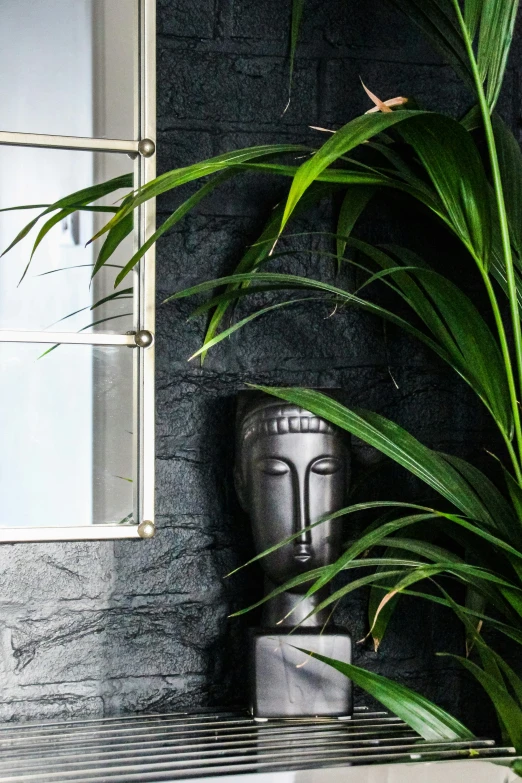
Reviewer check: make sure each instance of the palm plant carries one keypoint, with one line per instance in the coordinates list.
(433, 159)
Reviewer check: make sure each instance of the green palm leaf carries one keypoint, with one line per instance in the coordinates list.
(178, 177)
(357, 507)
(279, 281)
(495, 36)
(453, 164)
(380, 615)
(171, 221)
(354, 203)
(347, 138)
(510, 631)
(393, 441)
(297, 14)
(507, 708)
(491, 21)
(112, 241)
(499, 508)
(457, 326)
(437, 21)
(510, 164)
(430, 721)
(258, 252)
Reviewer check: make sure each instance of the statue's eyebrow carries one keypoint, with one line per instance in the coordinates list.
(274, 458)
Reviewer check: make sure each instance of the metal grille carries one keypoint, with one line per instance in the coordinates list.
(181, 746)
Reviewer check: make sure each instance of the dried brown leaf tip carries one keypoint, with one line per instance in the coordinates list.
(323, 130)
(384, 106)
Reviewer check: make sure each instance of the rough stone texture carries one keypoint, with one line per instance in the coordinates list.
(91, 628)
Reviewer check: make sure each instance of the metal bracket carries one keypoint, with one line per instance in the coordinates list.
(143, 338)
(146, 148)
(146, 529)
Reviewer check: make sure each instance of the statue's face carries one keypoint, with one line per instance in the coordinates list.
(289, 481)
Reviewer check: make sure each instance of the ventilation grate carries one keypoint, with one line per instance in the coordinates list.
(180, 746)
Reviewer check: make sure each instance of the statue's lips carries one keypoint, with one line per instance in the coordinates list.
(302, 553)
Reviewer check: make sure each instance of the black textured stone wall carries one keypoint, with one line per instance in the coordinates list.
(122, 626)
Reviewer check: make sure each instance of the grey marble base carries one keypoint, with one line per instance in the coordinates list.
(286, 683)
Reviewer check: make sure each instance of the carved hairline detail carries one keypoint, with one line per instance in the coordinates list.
(282, 419)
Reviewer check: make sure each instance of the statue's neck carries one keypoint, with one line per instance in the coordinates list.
(276, 610)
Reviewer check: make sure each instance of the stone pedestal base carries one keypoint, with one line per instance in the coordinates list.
(286, 683)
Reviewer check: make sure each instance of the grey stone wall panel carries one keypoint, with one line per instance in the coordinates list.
(186, 20)
(330, 25)
(202, 88)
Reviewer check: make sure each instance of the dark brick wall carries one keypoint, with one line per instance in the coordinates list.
(118, 626)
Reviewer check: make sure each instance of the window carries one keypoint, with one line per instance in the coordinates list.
(76, 358)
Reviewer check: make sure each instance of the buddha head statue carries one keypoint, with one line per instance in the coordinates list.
(292, 469)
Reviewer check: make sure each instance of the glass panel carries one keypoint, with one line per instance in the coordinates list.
(66, 427)
(41, 301)
(68, 67)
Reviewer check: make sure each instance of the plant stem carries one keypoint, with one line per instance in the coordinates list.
(506, 242)
(512, 454)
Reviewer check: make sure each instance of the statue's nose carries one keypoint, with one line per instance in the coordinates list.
(303, 543)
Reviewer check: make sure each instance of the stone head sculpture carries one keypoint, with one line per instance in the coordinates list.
(292, 469)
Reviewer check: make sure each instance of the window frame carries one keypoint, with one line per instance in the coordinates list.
(143, 151)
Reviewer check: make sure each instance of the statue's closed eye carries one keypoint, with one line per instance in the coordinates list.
(274, 467)
(326, 466)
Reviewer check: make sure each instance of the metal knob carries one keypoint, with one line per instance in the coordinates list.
(146, 529)
(143, 338)
(146, 148)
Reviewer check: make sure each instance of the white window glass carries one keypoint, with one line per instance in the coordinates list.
(46, 297)
(66, 418)
(68, 67)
